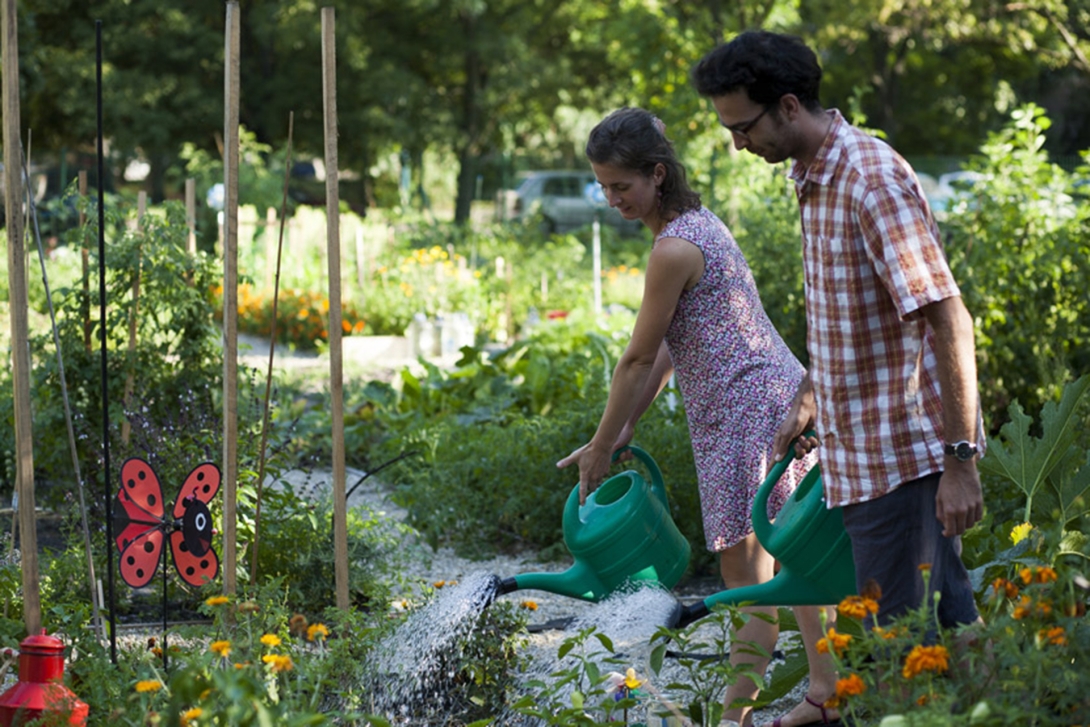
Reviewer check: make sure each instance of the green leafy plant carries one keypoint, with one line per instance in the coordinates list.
(704, 649)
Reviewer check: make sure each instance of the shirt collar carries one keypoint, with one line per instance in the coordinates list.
(820, 170)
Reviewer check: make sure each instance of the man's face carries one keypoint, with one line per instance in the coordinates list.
(753, 127)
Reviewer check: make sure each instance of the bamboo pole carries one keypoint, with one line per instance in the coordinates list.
(134, 319)
(191, 215)
(85, 258)
(333, 243)
(230, 295)
(17, 294)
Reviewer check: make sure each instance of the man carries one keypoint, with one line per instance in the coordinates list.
(891, 391)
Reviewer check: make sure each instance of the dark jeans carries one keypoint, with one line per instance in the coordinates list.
(892, 536)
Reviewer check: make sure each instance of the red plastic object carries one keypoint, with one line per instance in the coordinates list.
(41, 689)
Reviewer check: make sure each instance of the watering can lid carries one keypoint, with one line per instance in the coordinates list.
(41, 642)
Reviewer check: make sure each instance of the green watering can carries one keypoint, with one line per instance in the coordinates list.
(623, 534)
(808, 540)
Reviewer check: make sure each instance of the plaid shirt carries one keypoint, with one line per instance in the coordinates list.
(872, 258)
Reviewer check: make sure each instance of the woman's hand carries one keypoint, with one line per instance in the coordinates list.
(593, 468)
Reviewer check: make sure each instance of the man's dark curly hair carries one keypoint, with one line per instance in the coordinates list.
(766, 65)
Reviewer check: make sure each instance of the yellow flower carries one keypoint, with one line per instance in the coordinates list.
(1019, 533)
(529, 605)
(278, 662)
(216, 600)
(439, 584)
(270, 640)
(223, 648)
(317, 632)
(630, 679)
(190, 715)
(148, 685)
(925, 658)
(834, 642)
(857, 607)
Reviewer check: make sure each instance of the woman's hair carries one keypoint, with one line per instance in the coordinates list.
(766, 65)
(634, 139)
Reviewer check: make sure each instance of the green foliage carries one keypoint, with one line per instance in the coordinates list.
(705, 648)
(579, 693)
(1024, 665)
(1016, 242)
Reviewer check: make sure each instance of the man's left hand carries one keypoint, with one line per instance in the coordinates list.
(959, 504)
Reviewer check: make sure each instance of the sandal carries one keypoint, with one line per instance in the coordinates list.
(778, 722)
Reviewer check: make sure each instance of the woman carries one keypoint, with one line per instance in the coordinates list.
(701, 319)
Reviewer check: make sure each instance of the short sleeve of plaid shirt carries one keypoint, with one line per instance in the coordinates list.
(873, 257)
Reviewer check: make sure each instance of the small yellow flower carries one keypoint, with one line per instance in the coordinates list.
(439, 584)
(278, 662)
(148, 685)
(270, 640)
(317, 632)
(1019, 533)
(925, 658)
(216, 600)
(529, 605)
(630, 680)
(223, 648)
(190, 714)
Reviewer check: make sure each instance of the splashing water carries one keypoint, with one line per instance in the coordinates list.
(412, 666)
(628, 618)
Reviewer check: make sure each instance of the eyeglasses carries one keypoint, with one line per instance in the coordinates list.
(742, 129)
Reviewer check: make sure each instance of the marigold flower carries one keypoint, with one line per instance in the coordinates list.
(189, 715)
(438, 584)
(884, 633)
(1005, 587)
(1054, 635)
(216, 600)
(834, 642)
(278, 662)
(925, 658)
(1023, 608)
(857, 607)
(270, 640)
(850, 686)
(148, 685)
(317, 632)
(924, 567)
(223, 648)
(529, 605)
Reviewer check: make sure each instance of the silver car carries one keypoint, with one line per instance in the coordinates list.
(562, 200)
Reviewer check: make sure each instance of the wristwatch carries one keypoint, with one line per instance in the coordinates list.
(963, 451)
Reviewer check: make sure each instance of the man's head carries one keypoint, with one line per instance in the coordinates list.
(767, 66)
(764, 87)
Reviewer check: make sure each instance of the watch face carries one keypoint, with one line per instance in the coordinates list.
(964, 451)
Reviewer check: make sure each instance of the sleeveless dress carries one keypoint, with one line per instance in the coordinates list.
(737, 379)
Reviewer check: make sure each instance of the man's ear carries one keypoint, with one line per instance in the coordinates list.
(791, 107)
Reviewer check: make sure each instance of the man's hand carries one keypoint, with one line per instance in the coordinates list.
(959, 504)
(800, 418)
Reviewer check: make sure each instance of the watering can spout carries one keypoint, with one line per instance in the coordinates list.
(577, 582)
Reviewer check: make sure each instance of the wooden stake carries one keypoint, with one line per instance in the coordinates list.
(333, 244)
(230, 295)
(134, 316)
(191, 215)
(17, 292)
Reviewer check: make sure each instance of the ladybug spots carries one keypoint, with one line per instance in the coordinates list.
(148, 546)
(205, 564)
(152, 499)
(190, 571)
(142, 474)
(130, 560)
(183, 547)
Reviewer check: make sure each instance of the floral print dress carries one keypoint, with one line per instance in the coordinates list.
(737, 378)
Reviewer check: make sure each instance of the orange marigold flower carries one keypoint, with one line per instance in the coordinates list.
(1023, 608)
(216, 600)
(148, 685)
(833, 642)
(1005, 587)
(1054, 635)
(922, 700)
(884, 633)
(850, 686)
(529, 605)
(1045, 575)
(857, 607)
(223, 648)
(189, 715)
(278, 662)
(925, 658)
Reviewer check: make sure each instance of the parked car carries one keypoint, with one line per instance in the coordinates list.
(561, 198)
(953, 186)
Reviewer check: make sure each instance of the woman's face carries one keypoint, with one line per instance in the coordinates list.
(633, 194)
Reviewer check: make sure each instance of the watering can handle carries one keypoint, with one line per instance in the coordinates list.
(760, 502)
(657, 485)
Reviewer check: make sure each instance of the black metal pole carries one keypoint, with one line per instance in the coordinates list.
(102, 339)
